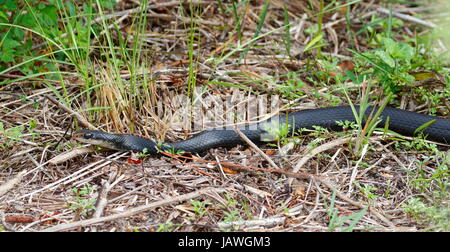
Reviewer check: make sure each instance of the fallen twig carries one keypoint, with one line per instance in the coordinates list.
(310, 153)
(68, 155)
(246, 167)
(4, 188)
(133, 211)
(407, 17)
(253, 224)
(102, 199)
(253, 146)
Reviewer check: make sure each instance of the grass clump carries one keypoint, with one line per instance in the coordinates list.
(433, 214)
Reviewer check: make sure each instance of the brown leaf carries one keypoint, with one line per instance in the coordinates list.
(19, 219)
(134, 161)
(228, 170)
(270, 152)
(346, 65)
(300, 191)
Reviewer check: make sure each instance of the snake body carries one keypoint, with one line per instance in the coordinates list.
(400, 121)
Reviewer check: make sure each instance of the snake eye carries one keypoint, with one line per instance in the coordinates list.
(88, 135)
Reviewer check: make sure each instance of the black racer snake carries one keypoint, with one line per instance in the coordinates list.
(400, 121)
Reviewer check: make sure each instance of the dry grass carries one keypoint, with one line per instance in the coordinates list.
(45, 193)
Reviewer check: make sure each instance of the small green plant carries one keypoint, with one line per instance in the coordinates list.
(366, 116)
(318, 133)
(200, 207)
(167, 227)
(436, 179)
(386, 24)
(347, 125)
(278, 131)
(433, 211)
(342, 223)
(433, 215)
(83, 201)
(143, 154)
(418, 144)
(12, 135)
(367, 191)
(392, 63)
(231, 202)
(292, 87)
(232, 214)
(169, 149)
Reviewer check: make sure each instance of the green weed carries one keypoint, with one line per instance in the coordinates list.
(342, 223)
(367, 191)
(200, 207)
(83, 201)
(292, 87)
(16, 133)
(434, 214)
(167, 227)
(232, 213)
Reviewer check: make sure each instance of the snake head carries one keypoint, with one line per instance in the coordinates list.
(95, 137)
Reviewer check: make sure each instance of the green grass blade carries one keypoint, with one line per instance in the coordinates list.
(424, 126)
(313, 42)
(262, 18)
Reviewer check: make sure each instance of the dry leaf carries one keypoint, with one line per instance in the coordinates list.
(19, 219)
(228, 170)
(346, 65)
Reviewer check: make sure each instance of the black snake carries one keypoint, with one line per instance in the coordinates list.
(400, 121)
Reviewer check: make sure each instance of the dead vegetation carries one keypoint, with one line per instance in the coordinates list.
(294, 187)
